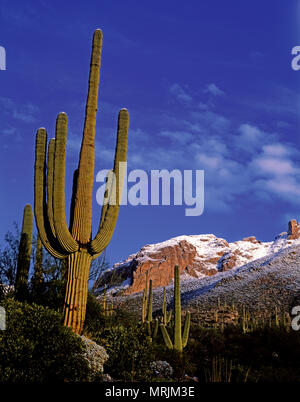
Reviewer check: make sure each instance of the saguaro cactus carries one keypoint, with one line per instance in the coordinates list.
(180, 341)
(25, 248)
(166, 316)
(145, 300)
(75, 243)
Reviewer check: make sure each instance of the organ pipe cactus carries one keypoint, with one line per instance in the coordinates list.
(75, 243)
(180, 341)
(25, 248)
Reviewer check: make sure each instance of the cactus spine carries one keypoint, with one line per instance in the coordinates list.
(25, 248)
(180, 341)
(75, 243)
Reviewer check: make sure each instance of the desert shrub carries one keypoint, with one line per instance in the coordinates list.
(268, 354)
(130, 353)
(96, 321)
(36, 347)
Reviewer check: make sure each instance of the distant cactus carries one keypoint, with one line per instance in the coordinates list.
(180, 341)
(150, 301)
(145, 300)
(75, 243)
(25, 248)
(166, 316)
(152, 333)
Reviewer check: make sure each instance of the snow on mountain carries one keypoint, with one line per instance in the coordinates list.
(198, 256)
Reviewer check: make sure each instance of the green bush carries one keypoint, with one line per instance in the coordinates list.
(96, 321)
(130, 353)
(36, 347)
(268, 354)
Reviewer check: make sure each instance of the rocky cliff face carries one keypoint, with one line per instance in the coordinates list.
(197, 256)
(294, 230)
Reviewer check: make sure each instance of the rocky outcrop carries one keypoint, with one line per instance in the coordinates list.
(293, 230)
(95, 355)
(197, 256)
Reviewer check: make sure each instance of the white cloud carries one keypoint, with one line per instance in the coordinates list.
(180, 93)
(214, 90)
(273, 166)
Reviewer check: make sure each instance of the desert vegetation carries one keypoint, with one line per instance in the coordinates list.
(63, 325)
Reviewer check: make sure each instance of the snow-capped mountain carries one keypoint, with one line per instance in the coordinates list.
(198, 256)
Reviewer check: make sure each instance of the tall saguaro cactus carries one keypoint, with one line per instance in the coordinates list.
(25, 248)
(74, 243)
(180, 341)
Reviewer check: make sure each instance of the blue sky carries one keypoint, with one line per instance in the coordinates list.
(208, 85)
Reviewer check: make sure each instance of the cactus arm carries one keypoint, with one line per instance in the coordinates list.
(177, 302)
(39, 197)
(169, 316)
(108, 195)
(164, 308)
(166, 337)
(74, 189)
(83, 206)
(109, 218)
(50, 177)
(148, 326)
(143, 307)
(64, 237)
(186, 329)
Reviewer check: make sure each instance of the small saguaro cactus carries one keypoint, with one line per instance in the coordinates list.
(180, 341)
(151, 333)
(74, 243)
(150, 301)
(25, 248)
(145, 300)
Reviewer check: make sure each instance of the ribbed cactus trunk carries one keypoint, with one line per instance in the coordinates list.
(150, 298)
(177, 302)
(77, 289)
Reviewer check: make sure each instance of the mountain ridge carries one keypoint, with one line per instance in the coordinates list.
(198, 257)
